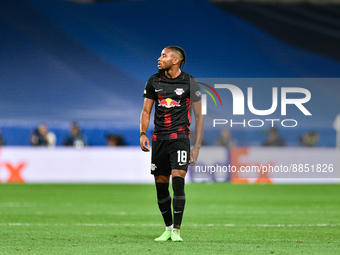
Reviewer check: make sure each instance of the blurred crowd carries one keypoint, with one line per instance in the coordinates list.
(42, 136)
(273, 139)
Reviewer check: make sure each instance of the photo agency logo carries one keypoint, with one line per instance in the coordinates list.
(204, 97)
(300, 97)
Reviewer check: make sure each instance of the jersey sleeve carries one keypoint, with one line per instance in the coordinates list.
(195, 92)
(149, 91)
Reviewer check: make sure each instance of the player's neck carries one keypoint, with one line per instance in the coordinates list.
(173, 73)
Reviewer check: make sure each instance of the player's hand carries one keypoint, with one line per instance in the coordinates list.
(144, 143)
(194, 155)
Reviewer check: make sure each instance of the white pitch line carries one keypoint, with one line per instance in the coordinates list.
(157, 225)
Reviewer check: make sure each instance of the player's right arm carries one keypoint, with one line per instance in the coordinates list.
(144, 123)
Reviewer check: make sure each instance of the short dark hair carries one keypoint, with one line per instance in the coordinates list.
(180, 52)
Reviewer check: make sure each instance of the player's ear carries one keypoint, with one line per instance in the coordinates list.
(175, 61)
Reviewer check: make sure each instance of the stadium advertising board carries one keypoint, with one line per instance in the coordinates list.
(266, 165)
(129, 165)
(70, 165)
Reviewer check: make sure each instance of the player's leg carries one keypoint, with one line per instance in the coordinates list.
(179, 159)
(178, 182)
(164, 198)
(164, 205)
(161, 170)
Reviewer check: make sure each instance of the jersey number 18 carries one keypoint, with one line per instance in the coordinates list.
(182, 156)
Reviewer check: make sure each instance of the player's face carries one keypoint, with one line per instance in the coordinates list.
(165, 61)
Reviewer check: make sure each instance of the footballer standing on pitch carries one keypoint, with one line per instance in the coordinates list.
(174, 92)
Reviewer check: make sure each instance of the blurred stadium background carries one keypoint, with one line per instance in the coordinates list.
(87, 61)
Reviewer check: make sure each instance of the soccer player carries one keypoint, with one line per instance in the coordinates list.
(173, 92)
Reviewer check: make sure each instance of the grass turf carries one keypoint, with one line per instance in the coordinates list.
(220, 218)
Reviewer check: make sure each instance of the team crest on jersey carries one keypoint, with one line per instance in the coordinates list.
(179, 91)
(168, 103)
(153, 167)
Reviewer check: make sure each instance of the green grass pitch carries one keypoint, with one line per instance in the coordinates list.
(220, 218)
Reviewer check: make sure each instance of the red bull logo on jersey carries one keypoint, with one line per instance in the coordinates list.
(168, 103)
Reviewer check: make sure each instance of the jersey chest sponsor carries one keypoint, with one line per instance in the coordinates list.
(171, 95)
(168, 103)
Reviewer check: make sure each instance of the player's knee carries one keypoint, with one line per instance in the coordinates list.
(178, 186)
(162, 178)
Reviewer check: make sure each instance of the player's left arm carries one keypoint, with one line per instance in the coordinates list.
(199, 127)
